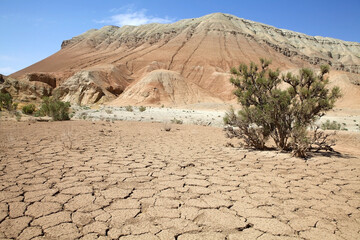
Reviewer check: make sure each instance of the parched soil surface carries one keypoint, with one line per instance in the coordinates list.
(131, 180)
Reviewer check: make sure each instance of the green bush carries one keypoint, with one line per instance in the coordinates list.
(142, 108)
(55, 109)
(6, 101)
(17, 116)
(129, 108)
(28, 109)
(39, 113)
(269, 111)
(330, 125)
(176, 121)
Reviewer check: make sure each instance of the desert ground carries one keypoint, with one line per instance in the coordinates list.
(199, 114)
(134, 180)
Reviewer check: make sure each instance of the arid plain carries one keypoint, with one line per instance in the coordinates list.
(134, 180)
(128, 178)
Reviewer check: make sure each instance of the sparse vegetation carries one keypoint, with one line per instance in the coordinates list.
(176, 121)
(28, 109)
(330, 125)
(6, 102)
(142, 108)
(83, 115)
(129, 108)
(67, 139)
(39, 113)
(334, 125)
(17, 116)
(269, 111)
(56, 109)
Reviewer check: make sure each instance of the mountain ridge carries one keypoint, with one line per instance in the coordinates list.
(201, 50)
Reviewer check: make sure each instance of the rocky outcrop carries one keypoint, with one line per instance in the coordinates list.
(24, 90)
(163, 87)
(42, 77)
(92, 86)
(80, 89)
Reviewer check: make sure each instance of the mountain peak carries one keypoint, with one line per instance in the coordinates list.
(200, 50)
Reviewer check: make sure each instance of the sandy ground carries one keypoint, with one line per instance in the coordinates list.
(205, 115)
(133, 180)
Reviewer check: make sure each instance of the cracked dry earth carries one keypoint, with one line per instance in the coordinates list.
(131, 180)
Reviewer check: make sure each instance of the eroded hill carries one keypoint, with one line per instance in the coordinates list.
(184, 62)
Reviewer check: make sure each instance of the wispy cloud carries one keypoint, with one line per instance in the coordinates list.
(133, 17)
(6, 70)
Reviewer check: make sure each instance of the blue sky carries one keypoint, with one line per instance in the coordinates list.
(32, 30)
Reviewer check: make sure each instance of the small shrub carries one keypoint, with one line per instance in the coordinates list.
(334, 125)
(56, 109)
(129, 108)
(142, 108)
(83, 115)
(6, 101)
(14, 106)
(177, 121)
(330, 125)
(28, 109)
(39, 113)
(17, 116)
(108, 111)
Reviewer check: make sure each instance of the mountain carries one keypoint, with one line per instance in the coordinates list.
(184, 62)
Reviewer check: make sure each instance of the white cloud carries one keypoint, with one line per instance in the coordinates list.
(6, 70)
(134, 18)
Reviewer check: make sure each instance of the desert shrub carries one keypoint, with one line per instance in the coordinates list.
(55, 109)
(29, 109)
(176, 121)
(6, 102)
(269, 111)
(39, 113)
(83, 115)
(108, 111)
(330, 125)
(142, 108)
(17, 116)
(129, 108)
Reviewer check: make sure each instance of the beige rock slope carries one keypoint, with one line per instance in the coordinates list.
(187, 61)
